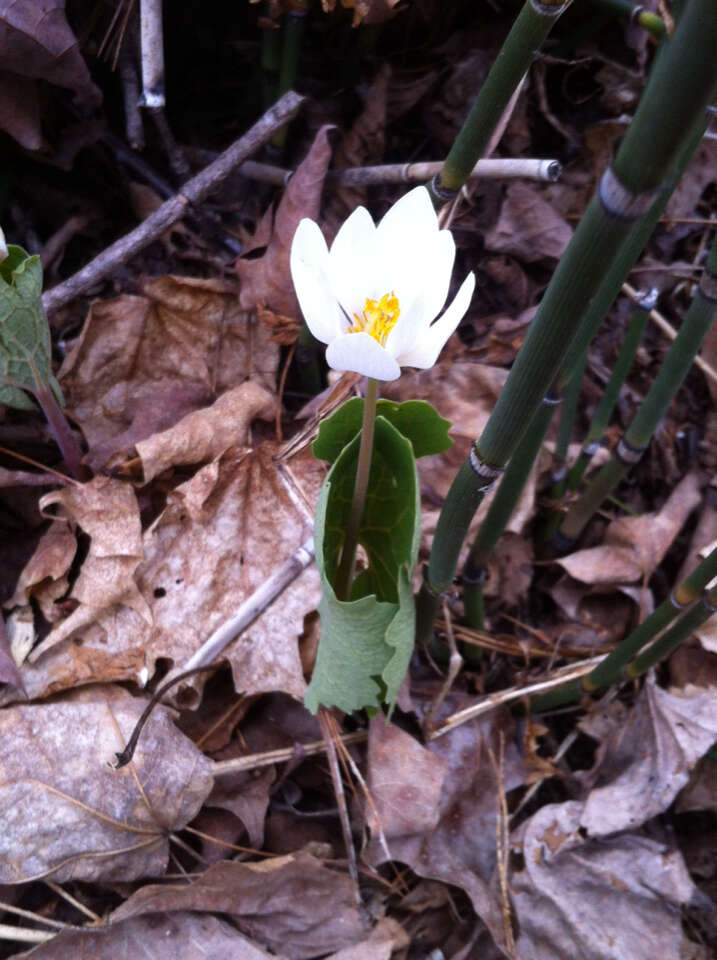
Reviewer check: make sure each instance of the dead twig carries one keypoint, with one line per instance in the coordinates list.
(193, 192)
(282, 755)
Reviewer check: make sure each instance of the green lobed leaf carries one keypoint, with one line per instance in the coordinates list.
(24, 332)
(415, 419)
(366, 642)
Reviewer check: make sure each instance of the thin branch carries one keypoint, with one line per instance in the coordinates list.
(283, 755)
(494, 700)
(193, 192)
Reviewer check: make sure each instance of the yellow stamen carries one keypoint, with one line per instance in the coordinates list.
(378, 317)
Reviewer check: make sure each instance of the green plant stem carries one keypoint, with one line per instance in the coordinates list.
(613, 668)
(516, 55)
(345, 571)
(602, 415)
(645, 18)
(671, 639)
(636, 439)
(500, 511)
(624, 197)
(562, 444)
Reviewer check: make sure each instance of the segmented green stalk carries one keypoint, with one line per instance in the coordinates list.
(636, 438)
(602, 415)
(681, 85)
(532, 26)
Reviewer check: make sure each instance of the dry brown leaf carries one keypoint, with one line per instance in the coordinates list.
(528, 226)
(207, 434)
(293, 904)
(107, 511)
(267, 279)
(38, 44)
(20, 110)
(647, 760)
(142, 363)
(246, 795)
(67, 814)
(175, 936)
(454, 837)
(44, 576)
(221, 534)
(635, 546)
(386, 936)
(510, 569)
(606, 899)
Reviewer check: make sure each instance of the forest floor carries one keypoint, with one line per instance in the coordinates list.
(588, 831)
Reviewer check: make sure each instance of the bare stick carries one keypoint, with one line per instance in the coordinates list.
(328, 729)
(490, 169)
(194, 191)
(454, 668)
(669, 330)
(152, 50)
(494, 700)
(252, 607)
(282, 755)
(24, 934)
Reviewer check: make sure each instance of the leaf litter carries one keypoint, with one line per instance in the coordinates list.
(173, 381)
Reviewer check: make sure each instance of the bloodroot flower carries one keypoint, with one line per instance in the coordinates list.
(374, 296)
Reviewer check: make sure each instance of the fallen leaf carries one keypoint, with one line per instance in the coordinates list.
(293, 904)
(38, 44)
(267, 279)
(67, 814)
(386, 936)
(206, 434)
(44, 576)
(528, 226)
(175, 936)
(107, 511)
(141, 363)
(605, 899)
(635, 546)
(648, 759)
(213, 545)
(454, 834)
(510, 569)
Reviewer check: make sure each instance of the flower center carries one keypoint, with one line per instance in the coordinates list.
(378, 317)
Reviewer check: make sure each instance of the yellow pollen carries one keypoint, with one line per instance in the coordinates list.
(378, 317)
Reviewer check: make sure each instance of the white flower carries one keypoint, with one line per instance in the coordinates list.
(373, 297)
(3, 246)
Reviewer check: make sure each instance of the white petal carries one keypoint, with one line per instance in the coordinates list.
(410, 217)
(431, 280)
(353, 265)
(309, 270)
(425, 353)
(362, 354)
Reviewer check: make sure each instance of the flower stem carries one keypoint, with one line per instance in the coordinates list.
(345, 572)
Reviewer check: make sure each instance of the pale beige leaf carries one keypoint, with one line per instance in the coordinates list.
(606, 899)
(107, 511)
(208, 433)
(635, 546)
(647, 760)
(221, 534)
(67, 814)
